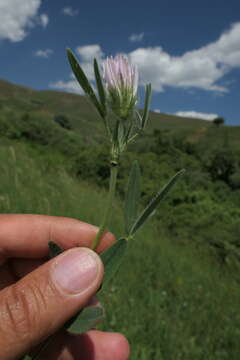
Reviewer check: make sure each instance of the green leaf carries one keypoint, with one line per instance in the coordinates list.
(121, 136)
(54, 249)
(148, 93)
(128, 132)
(111, 259)
(83, 81)
(26, 357)
(100, 87)
(115, 136)
(115, 132)
(154, 203)
(138, 120)
(132, 197)
(86, 320)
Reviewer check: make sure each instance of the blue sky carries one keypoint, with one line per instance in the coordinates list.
(188, 50)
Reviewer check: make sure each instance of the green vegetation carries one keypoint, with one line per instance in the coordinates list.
(177, 293)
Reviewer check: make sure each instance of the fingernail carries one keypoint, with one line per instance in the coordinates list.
(76, 270)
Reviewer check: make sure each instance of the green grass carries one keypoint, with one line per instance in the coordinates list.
(173, 302)
(30, 183)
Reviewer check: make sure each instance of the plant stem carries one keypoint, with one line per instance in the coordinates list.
(108, 209)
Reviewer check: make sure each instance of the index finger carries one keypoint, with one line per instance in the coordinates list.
(27, 236)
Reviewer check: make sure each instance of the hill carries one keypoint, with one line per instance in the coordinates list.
(67, 124)
(85, 120)
(76, 107)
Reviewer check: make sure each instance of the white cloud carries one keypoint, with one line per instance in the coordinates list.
(16, 17)
(43, 53)
(197, 115)
(71, 86)
(68, 10)
(157, 110)
(136, 37)
(87, 54)
(201, 68)
(43, 20)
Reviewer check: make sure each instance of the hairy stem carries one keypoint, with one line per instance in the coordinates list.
(108, 209)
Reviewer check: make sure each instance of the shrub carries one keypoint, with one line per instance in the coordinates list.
(218, 121)
(63, 121)
(222, 165)
(235, 180)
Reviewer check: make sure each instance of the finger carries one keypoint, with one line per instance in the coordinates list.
(41, 302)
(94, 345)
(105, 346)
(58, 341)
(27, 236)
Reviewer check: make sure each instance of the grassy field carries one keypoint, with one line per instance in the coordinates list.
(172, 302)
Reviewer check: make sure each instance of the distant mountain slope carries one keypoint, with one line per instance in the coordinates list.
(83, 117)
(75, 105)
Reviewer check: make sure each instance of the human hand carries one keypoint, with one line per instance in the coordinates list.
(38, 296)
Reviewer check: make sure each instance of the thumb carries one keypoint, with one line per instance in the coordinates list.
(38, 304)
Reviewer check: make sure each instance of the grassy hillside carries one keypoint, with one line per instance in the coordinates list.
(176, 296)
(74, 106)
(85, 120)
(172, 302)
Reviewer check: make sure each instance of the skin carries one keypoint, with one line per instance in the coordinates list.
(31, 307)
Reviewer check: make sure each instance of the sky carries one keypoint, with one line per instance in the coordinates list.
(188, 50)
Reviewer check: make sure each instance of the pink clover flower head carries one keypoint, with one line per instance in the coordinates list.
(122, 83)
